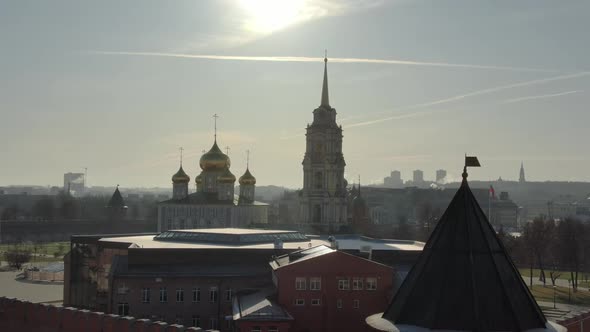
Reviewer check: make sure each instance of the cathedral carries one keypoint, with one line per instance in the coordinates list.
(323, 199)
(214, 204)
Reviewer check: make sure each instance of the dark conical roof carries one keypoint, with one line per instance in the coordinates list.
(116, 200)
(464, 278)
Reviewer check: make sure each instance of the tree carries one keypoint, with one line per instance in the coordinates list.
(44, 209)
(537, 238)
(10, 213)
(570, 244)
(17, 257)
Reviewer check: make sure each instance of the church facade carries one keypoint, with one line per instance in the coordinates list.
(323, 199)
(214, 204)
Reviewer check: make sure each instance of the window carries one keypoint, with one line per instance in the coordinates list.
(256, 329)
(371, 283)
(356, 304)
(357, 284)
(300, 283)
(196, 294)
(343, 284)
(228, 295)
(316, 302)
(339, 303)
(300, 302)
(273, 329)
(213, 294)
(163, 295)
(145, 295)
(315, 283)
(213, 323)
(196, 321)
(179, 295)
(123, 309)
(178, 320)
(123, 289)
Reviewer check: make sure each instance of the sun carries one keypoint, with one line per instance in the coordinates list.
(266, 16)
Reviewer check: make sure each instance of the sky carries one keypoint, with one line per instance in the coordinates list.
(118, 87)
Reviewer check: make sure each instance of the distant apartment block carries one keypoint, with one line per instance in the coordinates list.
(394, 180)
(441, 175)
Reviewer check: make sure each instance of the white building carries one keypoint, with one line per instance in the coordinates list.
(214, 204)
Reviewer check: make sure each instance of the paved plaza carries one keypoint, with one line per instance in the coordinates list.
(38, 292)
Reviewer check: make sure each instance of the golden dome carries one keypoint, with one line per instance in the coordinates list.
(214, 160)
(247, 178)
(226, 177)
(180, 176)
(199, 179)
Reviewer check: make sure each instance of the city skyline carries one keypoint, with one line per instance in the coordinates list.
(123, 92)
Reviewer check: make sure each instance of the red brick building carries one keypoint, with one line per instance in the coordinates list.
(191, 277)
(329, 290)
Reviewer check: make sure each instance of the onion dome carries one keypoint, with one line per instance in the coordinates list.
(214, 160)
(180, 176)
(247, 178)
(226, 177)
(199, 179)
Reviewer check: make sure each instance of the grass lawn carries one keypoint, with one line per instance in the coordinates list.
(46, 252)
(561, 295)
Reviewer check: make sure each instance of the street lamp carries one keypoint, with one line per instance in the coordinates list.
(554, 287)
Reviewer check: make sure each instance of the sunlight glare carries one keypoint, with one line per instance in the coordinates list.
(266, 16)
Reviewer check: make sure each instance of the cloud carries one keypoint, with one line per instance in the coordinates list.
(516, 100)
(473, 94)
(317, 59)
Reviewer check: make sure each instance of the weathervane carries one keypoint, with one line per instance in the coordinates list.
(470, 161)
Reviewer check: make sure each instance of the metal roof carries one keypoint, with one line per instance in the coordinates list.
(234, 236)
(300, 255)
(464, 279)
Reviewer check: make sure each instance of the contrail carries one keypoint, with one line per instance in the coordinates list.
(317, 59)
(471, 94)
(516, 100)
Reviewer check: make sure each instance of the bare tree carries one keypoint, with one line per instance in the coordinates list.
(570, 244)
(17, 257)
(537, 237)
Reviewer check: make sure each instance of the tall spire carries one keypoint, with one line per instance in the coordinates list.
(521, 177)
(359, 193)
(325, 95)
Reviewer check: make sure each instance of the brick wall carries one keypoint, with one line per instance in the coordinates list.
(17, 315)
(580, 323)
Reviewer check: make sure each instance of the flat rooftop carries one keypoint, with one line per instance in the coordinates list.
(233, 231)
(239, 238)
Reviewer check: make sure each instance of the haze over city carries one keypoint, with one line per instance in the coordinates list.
(118, 87)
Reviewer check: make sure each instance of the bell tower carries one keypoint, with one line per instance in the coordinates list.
(323, 197)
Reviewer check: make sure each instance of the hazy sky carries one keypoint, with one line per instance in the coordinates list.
(111, 85)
